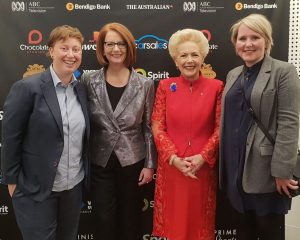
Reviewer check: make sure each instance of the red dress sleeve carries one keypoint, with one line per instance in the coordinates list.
(165, 146)
(211, 149)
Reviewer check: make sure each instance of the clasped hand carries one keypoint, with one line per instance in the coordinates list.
(189, 165)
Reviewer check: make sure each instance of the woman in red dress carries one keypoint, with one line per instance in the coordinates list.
(185, 124)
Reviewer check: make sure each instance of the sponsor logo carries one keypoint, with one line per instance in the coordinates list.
(225, 234)
(147, 204)
(77, 73)
(18, 6)
(35, 37)
(89, 47)
(153, 75)
(33, 69)
(1, 115)
(244, 6)
(34, 43)
(31, 7)
(151, 42)
(207, 71)
(85, 236)
(86, 7)
(86, 208)
(189, 7)
(70, 6)
(149, 7)
(95, 37)
(150, 237)
(3, 210)
(201, 7)
(89, 70)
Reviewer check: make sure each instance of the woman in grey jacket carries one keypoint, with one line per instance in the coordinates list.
(256, 174)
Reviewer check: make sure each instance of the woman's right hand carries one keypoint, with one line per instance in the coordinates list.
(11, 189)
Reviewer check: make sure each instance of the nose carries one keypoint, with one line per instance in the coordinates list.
(116, 46)
(70, 52)
(189, 58)
(249, 43)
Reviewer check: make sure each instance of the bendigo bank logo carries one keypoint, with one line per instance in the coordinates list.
(70, 6)
(151, 42)
(238, 6)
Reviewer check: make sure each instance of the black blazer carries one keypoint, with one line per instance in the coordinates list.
(32, 135)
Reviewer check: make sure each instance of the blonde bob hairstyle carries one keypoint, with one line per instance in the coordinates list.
(187, 35)
(126, 36)
(257, 23)
(63, 33)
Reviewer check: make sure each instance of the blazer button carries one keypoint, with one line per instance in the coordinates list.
(55, 164)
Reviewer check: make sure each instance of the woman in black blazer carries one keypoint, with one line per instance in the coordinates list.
(45, 135)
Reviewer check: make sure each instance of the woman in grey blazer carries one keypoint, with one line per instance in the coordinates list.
(255, 174)
(122, 149)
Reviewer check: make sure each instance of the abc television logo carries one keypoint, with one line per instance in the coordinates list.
(189, 6)
(18, 6)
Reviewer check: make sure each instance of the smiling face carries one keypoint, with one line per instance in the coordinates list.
(250, 46)
(115, 53)
(66, 56)
(189, 60)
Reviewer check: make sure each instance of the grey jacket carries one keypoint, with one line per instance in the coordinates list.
(127, 130)
(275, 101)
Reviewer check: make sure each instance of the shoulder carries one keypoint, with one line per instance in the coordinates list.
(169, 81)
(87, 77)
(214, 83)
(141, 79)
(281, 65)
(29, 83)
(235, 70)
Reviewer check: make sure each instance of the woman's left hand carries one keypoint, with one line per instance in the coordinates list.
(146, 176)
(196, 162)
(283, 186)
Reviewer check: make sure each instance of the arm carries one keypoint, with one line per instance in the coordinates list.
(286, 142)
(146, 174)
(151, 158)
(17, 110)
(287, 123)
(165, 146)
(210, 151)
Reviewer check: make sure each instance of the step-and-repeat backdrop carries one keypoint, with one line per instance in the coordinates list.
(25, 27)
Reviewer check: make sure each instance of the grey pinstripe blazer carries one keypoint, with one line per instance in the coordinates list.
(275, 100)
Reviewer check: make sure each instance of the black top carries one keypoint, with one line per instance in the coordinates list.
(114, 94)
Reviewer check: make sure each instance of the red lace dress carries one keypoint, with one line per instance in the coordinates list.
(185, 121)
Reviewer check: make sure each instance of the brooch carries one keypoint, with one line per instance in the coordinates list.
(173, 87)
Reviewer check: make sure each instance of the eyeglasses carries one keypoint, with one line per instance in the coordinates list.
(111, 45)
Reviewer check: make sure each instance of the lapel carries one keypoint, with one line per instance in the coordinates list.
(232, 78)
(49, 93)
(130, 91)
(99, 87)
(260, 84)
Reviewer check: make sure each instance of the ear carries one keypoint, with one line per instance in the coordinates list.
(51, 52)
